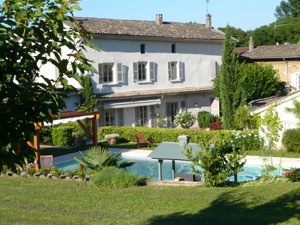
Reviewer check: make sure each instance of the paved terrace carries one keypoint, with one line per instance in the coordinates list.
(251, 160)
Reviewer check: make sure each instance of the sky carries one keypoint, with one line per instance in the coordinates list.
(244, 14)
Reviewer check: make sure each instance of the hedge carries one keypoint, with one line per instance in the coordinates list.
(247, 140)
(62, 136)
(291, 141)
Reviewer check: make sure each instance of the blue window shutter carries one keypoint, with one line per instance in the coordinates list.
(152, 71)
(169, 70)
(100, 68)
(181, 70)
(135, 72)
(120, 72)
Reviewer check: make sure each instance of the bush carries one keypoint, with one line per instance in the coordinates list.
(206, 118)
(63, 136)
(249, 139)
(185, 119)
(46, 136)
(293, 175)
(291, 141)
(114, 178)
(216, 126)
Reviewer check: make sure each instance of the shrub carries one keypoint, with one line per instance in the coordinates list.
(205, 118)
(185, 119)
(293, 175)
(46, 136)
(291, 141)
(216, 126)
(114, 178)
(62, 136)
(249, 139)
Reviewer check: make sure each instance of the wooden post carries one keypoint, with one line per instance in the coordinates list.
(36, 145)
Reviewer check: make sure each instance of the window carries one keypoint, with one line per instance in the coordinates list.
(109, 116)
(172, 109)
(143, 72)
(110, 73)
(173, 48)
(143, 48)
(175, 71)
(141, 114)
(298, 82)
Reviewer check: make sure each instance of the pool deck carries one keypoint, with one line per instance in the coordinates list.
(285, 163)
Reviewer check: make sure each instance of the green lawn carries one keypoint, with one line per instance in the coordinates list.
(45, 201)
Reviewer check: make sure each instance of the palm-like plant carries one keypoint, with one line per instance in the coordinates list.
(98, 157)
(295, 110)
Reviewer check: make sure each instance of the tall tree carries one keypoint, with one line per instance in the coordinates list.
(88, 97)
(287, 8)
(33, 34)
(228, 83)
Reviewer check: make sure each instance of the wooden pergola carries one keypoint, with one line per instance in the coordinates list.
(65, 117)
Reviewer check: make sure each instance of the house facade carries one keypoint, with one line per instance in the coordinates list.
(283, 58)
(288, 120)
(149, 71)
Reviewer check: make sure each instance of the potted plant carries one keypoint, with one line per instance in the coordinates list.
(112, 138)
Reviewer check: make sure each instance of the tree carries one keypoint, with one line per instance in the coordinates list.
(287, 9)
(32, 35)
(295, 110)
(259, 81)
(88, 97)
(228, 82)
(218, 161)
(270, 125)
(239, 34)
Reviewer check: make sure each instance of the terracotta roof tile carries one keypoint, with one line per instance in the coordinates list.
(149, 29)
(158, 92)
(273, 52)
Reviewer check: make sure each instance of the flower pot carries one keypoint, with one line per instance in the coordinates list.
(112, 141)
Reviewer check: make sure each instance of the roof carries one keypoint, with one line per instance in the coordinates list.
(279, 100)
(139, 28)
(172, 151)
(286, 51)
(155, 92)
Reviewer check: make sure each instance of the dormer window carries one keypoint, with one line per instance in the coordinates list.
(173, 48)
(143, 48)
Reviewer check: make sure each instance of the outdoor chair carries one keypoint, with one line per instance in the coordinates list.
(141, 140)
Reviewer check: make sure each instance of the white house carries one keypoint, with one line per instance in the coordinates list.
(288, 120)
(153, 69)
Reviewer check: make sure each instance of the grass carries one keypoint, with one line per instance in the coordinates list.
(278, 153)
(45, 201)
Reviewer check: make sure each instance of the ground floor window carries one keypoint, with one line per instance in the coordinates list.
(141, 114)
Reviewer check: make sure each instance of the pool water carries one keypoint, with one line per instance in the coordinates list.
(149, 168)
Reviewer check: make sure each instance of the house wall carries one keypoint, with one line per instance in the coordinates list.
(288, 120)
(287, 70)
(200, 60)
(199, 63)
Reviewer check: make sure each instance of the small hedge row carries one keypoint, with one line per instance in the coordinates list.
(291, 140)
(247, 140)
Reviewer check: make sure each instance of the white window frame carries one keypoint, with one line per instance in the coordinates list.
(148, 74)
(175, 69)
(298, 81)
(116, 70)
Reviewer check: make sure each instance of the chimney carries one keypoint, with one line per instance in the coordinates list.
(208, 21)
(184, 140)
(159, 19)
(251, 44)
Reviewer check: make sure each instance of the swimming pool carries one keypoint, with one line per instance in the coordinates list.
(149, 168)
